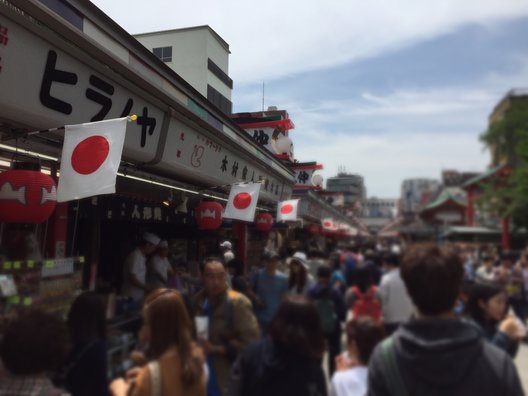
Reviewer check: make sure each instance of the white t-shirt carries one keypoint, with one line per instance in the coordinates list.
(228, 256)
(135, 263)
(352, 382)
(159, 265)
(396, 305)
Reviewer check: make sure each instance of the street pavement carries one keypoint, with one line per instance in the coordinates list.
(521, 361)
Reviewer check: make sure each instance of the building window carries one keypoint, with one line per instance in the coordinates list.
(219, 100)
(164, 53)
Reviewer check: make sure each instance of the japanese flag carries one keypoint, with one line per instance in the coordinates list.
(91, 154)
(242, 202)
(329, 225)
(287, 210)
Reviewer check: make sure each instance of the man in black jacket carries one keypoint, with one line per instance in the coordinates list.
(436, 354)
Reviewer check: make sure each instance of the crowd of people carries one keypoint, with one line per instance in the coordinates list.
(360, 320)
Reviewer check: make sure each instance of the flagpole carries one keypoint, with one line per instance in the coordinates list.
(75, 228)
(130, 118)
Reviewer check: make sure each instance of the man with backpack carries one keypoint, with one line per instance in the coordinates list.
(332, 311)
(436, 353)
(231, 324)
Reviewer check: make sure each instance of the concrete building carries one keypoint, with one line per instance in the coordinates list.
(351, 185)
(415, 193)
(200, 56)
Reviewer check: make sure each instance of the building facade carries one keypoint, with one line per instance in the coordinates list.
(415, 193)
(200, 56)
(351, 185)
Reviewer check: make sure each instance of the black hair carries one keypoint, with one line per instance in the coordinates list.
(433, 277)
(366, 333)
(35, 342)
(392, 259)
(210, 259)
(363, 277)
(297, 328)
(87, 318)
(324, 271)
(480, 292)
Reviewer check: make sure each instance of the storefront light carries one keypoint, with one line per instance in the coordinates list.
(28, 152)
(156, 183)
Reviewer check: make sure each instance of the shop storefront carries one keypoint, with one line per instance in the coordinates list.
(71, 64)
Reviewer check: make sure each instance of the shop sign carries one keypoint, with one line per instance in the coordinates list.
(304, 173)
(266, 134)
(115, 209)
(44, 87)
(195, 156)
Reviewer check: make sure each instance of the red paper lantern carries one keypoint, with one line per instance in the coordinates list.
(312, 229)
(263, 222)
(26, 196)
(208, 215)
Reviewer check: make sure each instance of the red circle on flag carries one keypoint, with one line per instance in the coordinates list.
(327, 224)
(242, 201)
(90, 154)
(287, 209)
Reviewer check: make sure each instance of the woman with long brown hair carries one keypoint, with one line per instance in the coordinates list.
(175, 362)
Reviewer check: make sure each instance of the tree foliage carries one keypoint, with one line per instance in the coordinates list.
(507, 140)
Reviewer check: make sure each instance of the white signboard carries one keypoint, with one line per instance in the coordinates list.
(449, 216)
(196, 156)
(44, 87)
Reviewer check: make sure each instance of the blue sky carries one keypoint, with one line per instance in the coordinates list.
(392, 89)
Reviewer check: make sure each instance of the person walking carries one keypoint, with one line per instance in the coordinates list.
(300, 281)
(231, 324)
(85, 371)
(350, 379)
(269, 288)
(485, 271)
(487, 309)
(396, 306)
(175, 364)
(436, 353)
(363, 298)
(332, 312)
(288, 362)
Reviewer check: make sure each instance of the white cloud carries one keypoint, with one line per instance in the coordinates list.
(280, 38)
(386, 160)
(401, 134)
